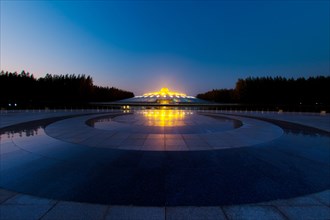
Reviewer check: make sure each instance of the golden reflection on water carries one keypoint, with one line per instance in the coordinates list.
(165, 117)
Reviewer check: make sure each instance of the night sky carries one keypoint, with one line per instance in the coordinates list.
(188, 46)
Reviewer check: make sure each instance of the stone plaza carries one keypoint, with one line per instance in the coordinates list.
(164, 164)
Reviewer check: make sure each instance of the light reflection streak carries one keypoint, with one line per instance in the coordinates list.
(165, 118)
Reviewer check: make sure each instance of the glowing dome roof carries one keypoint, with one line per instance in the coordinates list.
(164, 92)
(163, 97)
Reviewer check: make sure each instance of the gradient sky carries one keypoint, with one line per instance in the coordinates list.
(188, 46)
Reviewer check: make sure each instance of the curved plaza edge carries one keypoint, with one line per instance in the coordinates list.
(312, 206)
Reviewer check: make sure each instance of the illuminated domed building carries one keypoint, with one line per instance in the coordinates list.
(163, 97)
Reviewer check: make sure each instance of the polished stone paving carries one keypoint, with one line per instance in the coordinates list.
(194, 136)
(281, 173)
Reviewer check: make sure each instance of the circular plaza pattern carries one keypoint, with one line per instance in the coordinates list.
(164, 158)
(163, 130)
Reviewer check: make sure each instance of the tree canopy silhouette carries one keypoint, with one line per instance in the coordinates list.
(277, 90)
(54, 90)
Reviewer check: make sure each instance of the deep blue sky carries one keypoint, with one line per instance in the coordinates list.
(188, 46)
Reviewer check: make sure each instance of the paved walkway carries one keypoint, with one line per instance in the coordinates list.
(149, 138)
(41, 156)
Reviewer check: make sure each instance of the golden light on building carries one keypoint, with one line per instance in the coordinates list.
(165, 92)
(163, 97)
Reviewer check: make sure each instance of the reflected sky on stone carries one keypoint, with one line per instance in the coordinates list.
(166, 121)
(291, 165)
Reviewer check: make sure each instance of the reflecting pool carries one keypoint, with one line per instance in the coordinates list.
(296, 163)
(165, 118)
(166, 121)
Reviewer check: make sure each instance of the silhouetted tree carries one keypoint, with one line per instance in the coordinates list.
(278, 90)
(219, 95)
(54, 90)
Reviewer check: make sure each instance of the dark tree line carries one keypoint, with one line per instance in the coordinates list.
(278, 90)
(54, 90)
(219, 95)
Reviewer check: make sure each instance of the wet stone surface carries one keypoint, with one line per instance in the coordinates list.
(293, 164)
